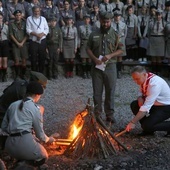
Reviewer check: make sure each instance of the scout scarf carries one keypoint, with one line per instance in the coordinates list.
(144, 87)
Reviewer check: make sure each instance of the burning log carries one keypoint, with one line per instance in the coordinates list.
(94, 138)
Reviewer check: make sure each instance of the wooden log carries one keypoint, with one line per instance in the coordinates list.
(62, 143)
(100, 121)
(64, 140)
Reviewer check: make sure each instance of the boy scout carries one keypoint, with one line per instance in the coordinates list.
(103, 47)
(54, 45)
(17, 32)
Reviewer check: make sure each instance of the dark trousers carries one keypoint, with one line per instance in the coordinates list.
(100, 80)
(156, 120)
(38, 55)
(53, 61)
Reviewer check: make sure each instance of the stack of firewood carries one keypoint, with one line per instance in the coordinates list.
(94, 140)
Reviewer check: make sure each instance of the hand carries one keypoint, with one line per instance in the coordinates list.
(51, 140)
(105, 58)
(97, 61)
(130, 126)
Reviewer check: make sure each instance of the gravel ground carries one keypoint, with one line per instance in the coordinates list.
(64, 98)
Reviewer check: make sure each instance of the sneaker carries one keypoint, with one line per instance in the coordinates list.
(130, 59)
(145, 59)
(140, 59)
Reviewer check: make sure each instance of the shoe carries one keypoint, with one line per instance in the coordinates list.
(55, 77)
(119, 75)
(130, 59)
(84, 76)
(140, 59)
(146, 133)
(110, 120)
(88, 75)
(168, 134)
(145, 59)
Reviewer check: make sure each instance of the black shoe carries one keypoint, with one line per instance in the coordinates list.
(119, 75)
(146, 133)
(168, 134)
(110, 120)
(84, 76)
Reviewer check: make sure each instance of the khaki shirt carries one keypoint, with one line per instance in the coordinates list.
(18, 30)
(103, 44)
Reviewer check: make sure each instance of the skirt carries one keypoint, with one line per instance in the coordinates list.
(156, 46)
(83, 52)
(68, 49)
(129, 39)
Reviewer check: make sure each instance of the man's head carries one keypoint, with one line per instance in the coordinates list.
(18, 15)
(38, 77)
(105, 21)
(53, 21)
(139, 75)
(36, 11)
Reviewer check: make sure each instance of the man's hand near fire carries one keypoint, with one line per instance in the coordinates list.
(131, 125)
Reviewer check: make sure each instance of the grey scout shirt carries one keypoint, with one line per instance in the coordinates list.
(29, 118)
(103, 44)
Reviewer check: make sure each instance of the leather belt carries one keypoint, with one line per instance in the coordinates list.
(20, 133)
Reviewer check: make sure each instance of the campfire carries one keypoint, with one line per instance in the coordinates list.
(90, 137)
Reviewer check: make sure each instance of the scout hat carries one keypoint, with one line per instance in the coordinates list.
(69, 17)
(117, 13)
(17, 12)
(106, 15)
(34, 87)
(39, 77)
(53, 18)
(86, 16)
(159, 11)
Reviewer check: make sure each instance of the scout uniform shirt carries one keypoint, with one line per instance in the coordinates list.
(159, 4)
(54, 37)
(103, 44)
(121, 29)
(106, 7)
(18, 30)
(3, 32)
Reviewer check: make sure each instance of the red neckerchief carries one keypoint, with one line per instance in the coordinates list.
(144, 87)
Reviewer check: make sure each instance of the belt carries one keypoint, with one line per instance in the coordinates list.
(68, 39)
(157, 35)
(20, 133)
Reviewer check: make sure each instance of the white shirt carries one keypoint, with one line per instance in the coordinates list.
(158, 94)
(37, 25)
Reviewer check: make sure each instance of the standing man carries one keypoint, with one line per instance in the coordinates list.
(151, 109)
(17, 32)
(103, 48)
(37, 29)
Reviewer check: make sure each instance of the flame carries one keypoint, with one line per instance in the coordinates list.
(75, 131)
(77, 125)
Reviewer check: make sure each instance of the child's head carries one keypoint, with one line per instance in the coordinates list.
(53, 21)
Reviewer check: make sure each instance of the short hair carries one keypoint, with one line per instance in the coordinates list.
(35, 7)
(138, 69)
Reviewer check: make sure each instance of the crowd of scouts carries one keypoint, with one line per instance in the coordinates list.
(47, 30)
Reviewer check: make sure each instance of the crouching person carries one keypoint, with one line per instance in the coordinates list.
(21, 118)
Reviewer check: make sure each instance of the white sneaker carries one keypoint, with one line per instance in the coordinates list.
(140, 59)
(130, 59)
(145, 59)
